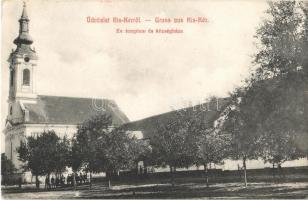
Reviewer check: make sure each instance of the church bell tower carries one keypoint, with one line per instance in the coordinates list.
(23, 62)
(22, 65)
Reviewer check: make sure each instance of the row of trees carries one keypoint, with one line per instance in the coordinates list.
(95, 148)
(267, 117)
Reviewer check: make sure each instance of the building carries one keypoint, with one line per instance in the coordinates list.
(30, 113)
(211, 113)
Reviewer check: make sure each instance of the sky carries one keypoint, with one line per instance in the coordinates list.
(146, 74)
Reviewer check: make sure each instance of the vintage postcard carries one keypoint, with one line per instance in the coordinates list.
(154, 99)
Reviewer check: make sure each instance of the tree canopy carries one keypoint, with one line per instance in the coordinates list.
(7, 166)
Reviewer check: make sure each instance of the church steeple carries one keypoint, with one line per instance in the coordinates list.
(24, 12)
(23, 37)
(23, 63)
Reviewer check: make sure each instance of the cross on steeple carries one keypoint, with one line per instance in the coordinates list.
(24, 11)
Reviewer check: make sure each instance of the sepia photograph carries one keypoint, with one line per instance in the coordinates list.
(157, 99)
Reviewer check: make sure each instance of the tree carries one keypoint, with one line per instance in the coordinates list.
(241, 123)
(100, 148)
(117, 153)
(283, 39)
(62, 156)
(269, 118)
(75, 158)
(7, 166)
(90, 143)
(39, 154)
(140, 150)
(175, 141)
(282, 74)
(213, 148)
(285, 124)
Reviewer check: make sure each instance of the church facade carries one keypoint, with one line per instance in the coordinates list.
(29, 113)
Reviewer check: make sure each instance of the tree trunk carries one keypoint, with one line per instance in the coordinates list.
(47, 181)
(280, 171)
(239, 169)
(109, 175)
(109, 183)
(37, 182)
(19, 182)
(90, 185)
(206, 174)
(245, 174)
(74, 180)
(273, 171)
(172, 176)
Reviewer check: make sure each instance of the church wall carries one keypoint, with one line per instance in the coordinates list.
(13, 137)
(17, 113)
(60, 129)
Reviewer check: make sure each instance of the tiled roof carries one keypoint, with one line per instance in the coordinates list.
(209, 110)
(71, 110)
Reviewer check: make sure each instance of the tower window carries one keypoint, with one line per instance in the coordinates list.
(26, 77)
(11, 110)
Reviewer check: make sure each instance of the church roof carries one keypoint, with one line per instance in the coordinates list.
(71, 110)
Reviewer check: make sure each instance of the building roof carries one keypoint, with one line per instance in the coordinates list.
(210, 113)
(71, 110)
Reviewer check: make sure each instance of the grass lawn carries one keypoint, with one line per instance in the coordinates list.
(259, 190)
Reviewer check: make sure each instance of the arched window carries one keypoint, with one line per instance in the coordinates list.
(11, 110)
(26, 77)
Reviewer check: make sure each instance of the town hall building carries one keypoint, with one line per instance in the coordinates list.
(30, 113)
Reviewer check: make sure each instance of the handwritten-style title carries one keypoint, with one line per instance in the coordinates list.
(174, 23)
(136, 20)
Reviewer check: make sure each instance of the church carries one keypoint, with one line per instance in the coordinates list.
(30, 113)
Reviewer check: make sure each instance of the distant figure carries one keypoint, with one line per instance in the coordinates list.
(77, 178)
(52, 182)
(145, 170)
(62, 180)
(239, 169)
(47, 183)
(81, 178)
(70, 179)
(57, 181)
(85, 177)
(19, 182)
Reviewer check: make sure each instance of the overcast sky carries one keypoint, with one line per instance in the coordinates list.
(145, 74)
